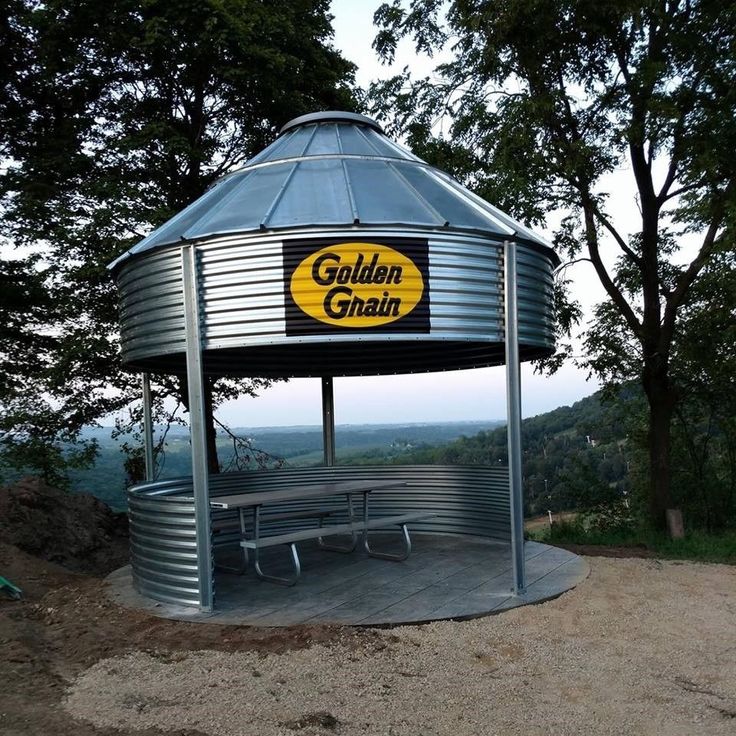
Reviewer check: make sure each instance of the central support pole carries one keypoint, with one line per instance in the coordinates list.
(148, 428)
(328, 421)
(513, 411)
(198, 429)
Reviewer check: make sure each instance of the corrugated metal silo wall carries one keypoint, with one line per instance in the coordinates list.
(242, 294)
(466, 500)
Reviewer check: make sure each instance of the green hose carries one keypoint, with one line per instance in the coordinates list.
(12, 591)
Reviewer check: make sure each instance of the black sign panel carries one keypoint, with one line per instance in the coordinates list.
(356, 285)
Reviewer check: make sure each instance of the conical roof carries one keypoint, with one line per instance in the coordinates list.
(333, 169)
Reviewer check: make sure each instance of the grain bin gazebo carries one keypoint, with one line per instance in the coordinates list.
(333, 252)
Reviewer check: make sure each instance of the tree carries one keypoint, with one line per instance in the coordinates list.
(542, 100)
(24, 306)
(705, 372)
(116, 116)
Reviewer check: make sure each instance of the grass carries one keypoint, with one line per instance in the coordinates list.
(698, 546)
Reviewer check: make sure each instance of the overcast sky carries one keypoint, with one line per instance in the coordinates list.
(460, 395)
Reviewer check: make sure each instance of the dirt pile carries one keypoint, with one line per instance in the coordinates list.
(74, 530)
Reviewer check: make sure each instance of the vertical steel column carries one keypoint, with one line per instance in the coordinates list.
(328, 421)
(148, 428)
(197, 427)
(513, 416)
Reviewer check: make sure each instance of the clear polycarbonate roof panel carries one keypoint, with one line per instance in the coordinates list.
(331, 138)
(245, 207)
(172, 230)
(371, 143)
(323, 142)
(354, 143)
(456, 211)
(499, 216)
(289, 145)
(296, 145)
(317, 193)
(381, 195)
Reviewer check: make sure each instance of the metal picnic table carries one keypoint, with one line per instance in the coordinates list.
(255, 499)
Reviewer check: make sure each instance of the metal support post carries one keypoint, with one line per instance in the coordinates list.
(148, 428)
(197, 428)
(513, 410)
(328, 421)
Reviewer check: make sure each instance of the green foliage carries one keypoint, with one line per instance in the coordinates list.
(538, 103)
(574, 458)
(39, 442)
(24, 304)
(115, 117)
(704, 433)
(697, 545)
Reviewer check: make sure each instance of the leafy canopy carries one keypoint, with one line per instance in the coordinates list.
(539, 102)
(115, 117)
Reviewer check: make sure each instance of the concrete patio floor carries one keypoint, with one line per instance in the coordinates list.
(445, 577)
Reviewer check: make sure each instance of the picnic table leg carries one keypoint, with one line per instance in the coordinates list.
(353, 536)
(243, 566)
(244, 559)
(384, 555)
(257, 552)
(365, 519)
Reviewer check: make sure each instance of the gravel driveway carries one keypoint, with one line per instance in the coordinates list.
(641, 647)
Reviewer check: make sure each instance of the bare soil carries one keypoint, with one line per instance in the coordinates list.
(607, 550)
(641, 647)
(75, 530)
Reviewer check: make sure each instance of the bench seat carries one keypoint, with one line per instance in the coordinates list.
(353, 527)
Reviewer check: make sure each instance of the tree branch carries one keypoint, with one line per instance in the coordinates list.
(613, 291)
(679, 128)
(564, 266)
(616, 235)
(677, 192)
(688, 276)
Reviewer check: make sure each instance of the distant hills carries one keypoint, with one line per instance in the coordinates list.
(571, 455)
(296, 446)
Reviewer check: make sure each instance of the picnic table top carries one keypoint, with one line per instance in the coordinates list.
(258, 497)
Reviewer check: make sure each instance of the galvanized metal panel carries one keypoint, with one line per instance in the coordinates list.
(243, 310)
(152, 305)
(163, 544)
(467, 500)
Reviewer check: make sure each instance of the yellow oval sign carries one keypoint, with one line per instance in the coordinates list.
(357, 285)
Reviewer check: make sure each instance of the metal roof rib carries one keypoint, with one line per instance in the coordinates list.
(275, 203)
(268, 151)
(348, 184)
(456, 188)
(404, 153)
(192, 232)
(368, 141)
(279, 195)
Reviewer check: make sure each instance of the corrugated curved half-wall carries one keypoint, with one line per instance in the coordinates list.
(466, 500)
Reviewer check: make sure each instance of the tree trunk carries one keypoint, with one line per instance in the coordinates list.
(213, 462)
(662, 400)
